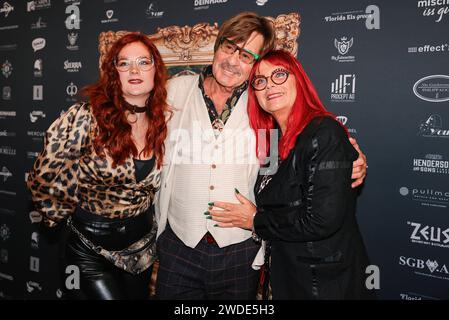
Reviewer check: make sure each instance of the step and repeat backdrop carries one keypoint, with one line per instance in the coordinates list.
(381, 66)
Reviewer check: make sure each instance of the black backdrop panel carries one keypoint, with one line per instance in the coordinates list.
(381, 66)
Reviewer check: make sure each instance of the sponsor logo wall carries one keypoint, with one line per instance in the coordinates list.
(389, 89)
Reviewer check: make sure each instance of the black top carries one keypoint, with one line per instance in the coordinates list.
(306, 211)
(143, 167)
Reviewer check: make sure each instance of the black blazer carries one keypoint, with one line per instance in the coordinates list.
(307, 214)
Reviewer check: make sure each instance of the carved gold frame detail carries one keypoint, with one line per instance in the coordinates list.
(195, 45)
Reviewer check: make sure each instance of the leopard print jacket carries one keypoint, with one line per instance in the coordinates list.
(68, 173)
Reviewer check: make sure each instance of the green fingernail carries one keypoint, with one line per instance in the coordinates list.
(208, 217)
(236, 190)
(216, 225)
(206, 213)
(211, 203)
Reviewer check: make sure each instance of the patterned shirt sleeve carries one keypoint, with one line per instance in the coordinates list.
(53, 178)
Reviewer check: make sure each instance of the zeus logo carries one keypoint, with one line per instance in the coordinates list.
(429, 233)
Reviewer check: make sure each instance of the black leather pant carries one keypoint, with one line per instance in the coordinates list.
(99, 278)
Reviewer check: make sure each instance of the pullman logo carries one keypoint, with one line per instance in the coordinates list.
(426, 196)
(343, 88)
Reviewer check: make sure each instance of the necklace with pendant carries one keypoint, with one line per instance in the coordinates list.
(133, 110)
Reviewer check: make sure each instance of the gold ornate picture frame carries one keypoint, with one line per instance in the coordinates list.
(186, 49)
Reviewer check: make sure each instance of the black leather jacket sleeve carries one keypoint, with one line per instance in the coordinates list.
(325, 159)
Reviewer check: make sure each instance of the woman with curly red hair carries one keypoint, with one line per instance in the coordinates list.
(100, 169)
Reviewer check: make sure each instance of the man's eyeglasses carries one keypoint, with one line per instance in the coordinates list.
(143, 63)
(245, 55)
(278, 76)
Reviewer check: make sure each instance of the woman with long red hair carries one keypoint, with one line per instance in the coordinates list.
(305, 206)
(100, 169)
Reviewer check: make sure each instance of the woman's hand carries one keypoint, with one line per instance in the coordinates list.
(358, 166)
(234, 215)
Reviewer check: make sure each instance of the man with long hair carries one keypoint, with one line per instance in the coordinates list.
(203, 164)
